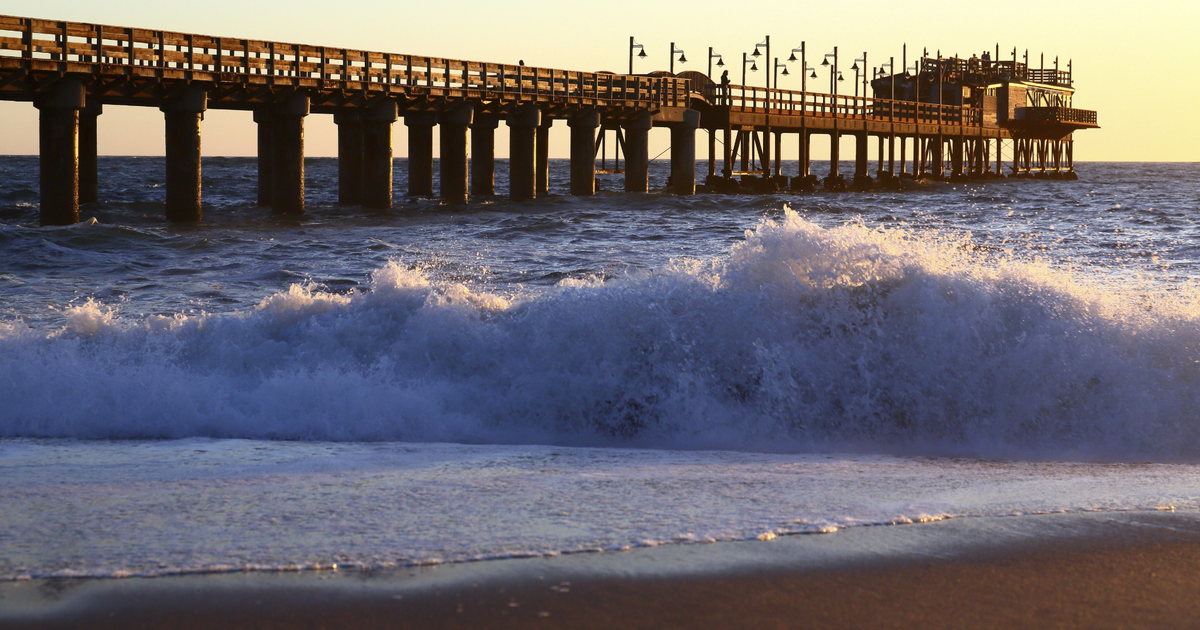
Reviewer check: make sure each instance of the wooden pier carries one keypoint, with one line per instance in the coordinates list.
(69, 71)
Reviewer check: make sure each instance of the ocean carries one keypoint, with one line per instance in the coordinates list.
(429, 384)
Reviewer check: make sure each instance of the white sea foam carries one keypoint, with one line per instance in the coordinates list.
(802, 338)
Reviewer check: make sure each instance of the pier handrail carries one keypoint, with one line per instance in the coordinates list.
(122, 52)
(746, 98)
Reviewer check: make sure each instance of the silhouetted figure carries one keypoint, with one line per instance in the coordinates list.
(725, 87)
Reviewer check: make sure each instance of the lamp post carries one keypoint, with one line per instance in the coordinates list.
(753, 68)
(711, 56)
(775, 78)
(756, 54)
(834, 75)
(803, 72)
(892, 78)
(676, 51)
(766, 156)
(857, 70)
(835, 137)
(641, 55)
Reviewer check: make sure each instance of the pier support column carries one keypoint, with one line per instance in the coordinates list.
(583, 152)
(891, 154)
(453, 134)
(861, 158)
(350, 156)
(683, 153)
(778, 153)
(287, 146)
(58, 129)
(523, 128)
(420, 153)
(764, 155)
(266, 153)
(483, 154)
(937, 159)
(89, 180)
(543, 156)
(727, 153)
(835, 153)
(956, 157)
(637, 153)
(712, 153)
(804, 154)
(377, 154)
(918, 157)
(183, 115)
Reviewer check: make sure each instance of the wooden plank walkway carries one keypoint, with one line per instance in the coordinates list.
(140, 67)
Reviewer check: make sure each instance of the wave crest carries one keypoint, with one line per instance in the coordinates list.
(802, 338)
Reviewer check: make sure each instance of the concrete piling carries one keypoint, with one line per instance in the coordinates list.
(266, 155)
(183, 115)
(483, 154)
(522, 153)
(287, 147)
(89, 180)
(453, 132)
(543, 156)
(377, 154)
(861, 159)
(420, 153)
(350, 156)
(683, 153)
(637, 153)
(58, 137)
(583, 152)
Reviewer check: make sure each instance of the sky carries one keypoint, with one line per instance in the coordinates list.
(1125, 54)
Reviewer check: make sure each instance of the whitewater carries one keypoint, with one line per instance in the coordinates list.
(570, 375)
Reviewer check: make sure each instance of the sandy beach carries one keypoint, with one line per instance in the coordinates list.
(1098, 570)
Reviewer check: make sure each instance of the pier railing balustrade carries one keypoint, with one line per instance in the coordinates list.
(744, 98)
(118, 52)
(1058, 114)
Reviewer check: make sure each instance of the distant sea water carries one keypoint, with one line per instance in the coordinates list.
(435, 383)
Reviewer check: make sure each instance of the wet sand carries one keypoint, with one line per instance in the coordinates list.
(1122, 570)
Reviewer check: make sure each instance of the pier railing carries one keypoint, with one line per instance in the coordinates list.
(743, 98)
(120, 52)
(1057, 114)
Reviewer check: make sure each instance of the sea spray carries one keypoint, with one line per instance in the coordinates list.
(802, 338)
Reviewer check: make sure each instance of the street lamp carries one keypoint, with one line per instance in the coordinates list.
(834, 75)
(891, 73)
(766, 45)
(775, 73)
(803, 72)
(753, 67)
(855, 68)
(676, 51)
(711, 56)
(641, 55)
(892, 80)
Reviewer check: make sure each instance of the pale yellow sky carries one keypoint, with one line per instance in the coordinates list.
(1123, 52)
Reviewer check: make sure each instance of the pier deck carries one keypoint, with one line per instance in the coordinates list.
(70, 70)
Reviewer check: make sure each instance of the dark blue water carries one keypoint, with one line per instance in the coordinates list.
(1119, 219)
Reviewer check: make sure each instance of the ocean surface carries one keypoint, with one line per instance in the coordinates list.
(433, 383)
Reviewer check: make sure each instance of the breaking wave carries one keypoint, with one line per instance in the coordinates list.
(802, 338)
